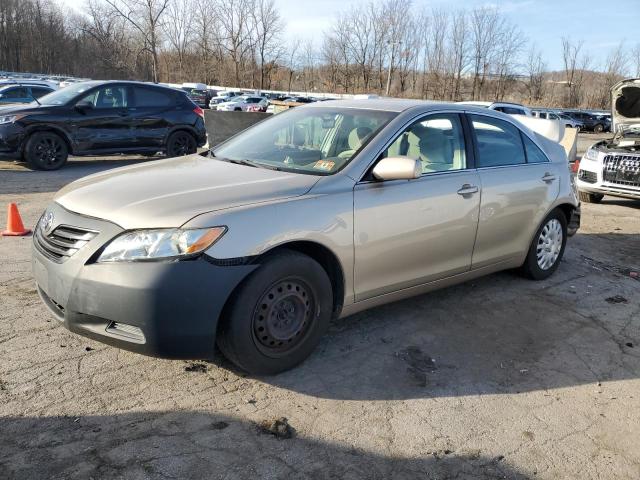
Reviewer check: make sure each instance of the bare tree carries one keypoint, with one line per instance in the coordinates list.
(535, 69)
(178, 28)
(268, 29)
(575, 64)
(146, 17)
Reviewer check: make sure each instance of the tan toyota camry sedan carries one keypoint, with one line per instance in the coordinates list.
(318, 212)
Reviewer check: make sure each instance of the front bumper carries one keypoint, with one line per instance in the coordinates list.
(591, 179)
(162, 309)
(11, 137)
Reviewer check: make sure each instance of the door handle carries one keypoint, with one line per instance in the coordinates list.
(467, 189)
(548, 177)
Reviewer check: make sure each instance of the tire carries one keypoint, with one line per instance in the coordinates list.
(598, 128)
(181, 143)
(277, 316)
(148, 154)
(588, 197)
(547, 248)
(237, 109)
(46, 151)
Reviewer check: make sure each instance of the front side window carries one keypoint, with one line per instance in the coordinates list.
(317, 141)
(17, 92)
(437, 140)
(499, 142)
(107, 97)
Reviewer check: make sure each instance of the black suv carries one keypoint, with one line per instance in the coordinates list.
(591, 123)
(97, 117)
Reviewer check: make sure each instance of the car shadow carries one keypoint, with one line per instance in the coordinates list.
(501, 334)
(622, 202)
(187, 444)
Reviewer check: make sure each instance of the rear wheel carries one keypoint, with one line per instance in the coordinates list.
(278, 315)
(547, 247)
(588, 197)
(46, 151)
(598, 128)
(181, 143)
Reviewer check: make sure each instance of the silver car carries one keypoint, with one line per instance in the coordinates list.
(317, 213)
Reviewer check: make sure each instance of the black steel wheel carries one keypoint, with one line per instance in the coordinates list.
(276, 317)
(46, 151)
(181, 143)
(283, 315)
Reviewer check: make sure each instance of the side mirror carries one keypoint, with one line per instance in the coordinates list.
(397, 168)
(84, 106)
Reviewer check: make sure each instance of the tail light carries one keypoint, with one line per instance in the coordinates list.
(199, 111)
(575, 166)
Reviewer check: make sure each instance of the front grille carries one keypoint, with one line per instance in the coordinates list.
(587, 176)
(622, 170)
(63, 241)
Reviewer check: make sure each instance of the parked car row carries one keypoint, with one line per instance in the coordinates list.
(582, 120)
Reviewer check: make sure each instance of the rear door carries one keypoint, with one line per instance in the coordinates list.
(151, 118)
(106, 125)
(407, 233)
(519, 184)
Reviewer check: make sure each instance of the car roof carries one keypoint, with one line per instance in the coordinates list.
(392, 104)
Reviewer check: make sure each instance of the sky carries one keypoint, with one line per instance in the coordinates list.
(602, 25)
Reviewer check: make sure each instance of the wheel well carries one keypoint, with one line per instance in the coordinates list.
(567, 209)
(327, 260)
(43, 128)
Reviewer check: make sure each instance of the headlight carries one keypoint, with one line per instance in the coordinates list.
(9, 118)
(163, 243)
(591, 154)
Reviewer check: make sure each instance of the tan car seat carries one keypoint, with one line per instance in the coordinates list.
(357, 136)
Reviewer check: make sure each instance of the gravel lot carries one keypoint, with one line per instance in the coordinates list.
(497, 378)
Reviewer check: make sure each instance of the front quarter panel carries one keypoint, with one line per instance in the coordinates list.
(323, 216)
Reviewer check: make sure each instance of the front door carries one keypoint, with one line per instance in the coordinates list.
(410, 232)
(106, 125)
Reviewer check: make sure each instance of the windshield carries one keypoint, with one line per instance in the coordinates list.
(318, 141)
(62, 96)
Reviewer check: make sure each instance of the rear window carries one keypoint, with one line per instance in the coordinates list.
(151, 97)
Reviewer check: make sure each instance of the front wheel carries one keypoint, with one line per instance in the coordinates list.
(547, 247)
(181, 143)
(278, 315)
(598, 128)
(46, 151)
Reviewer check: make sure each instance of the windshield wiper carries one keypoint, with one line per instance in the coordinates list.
(249, 163)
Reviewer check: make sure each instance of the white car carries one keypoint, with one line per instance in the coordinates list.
(612, 167)
(242, 103)
(504, 107)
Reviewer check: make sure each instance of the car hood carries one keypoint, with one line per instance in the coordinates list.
(22, 108)
(168, 193)
(625, 107)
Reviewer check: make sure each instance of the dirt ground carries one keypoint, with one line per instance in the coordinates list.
(497, 378)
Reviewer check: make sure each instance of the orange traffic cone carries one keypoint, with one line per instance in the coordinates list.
(15, 228)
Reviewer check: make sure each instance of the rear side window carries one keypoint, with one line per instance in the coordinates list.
(499, 142)
(39, 91)
(534, 154)
(152, 97)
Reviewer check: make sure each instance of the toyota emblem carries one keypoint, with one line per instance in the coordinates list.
(46, 224)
